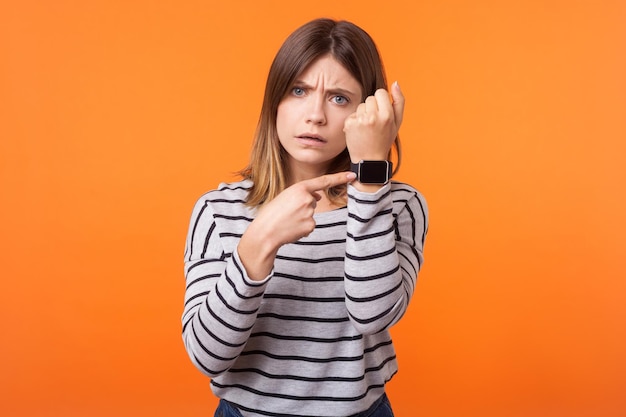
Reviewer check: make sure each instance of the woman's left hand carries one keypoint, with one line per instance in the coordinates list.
(372, 128)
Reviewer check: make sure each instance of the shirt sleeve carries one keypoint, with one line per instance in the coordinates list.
(221, 301)
(384, 253)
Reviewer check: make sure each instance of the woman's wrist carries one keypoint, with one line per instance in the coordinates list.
(366, 188)
(257, 254)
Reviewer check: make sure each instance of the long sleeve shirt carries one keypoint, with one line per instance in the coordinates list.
(312, 338)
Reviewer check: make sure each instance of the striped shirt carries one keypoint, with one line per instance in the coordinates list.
(312, 338)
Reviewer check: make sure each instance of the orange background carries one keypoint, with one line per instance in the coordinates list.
(116, 115)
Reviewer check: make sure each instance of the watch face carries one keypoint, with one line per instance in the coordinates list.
(374, 172)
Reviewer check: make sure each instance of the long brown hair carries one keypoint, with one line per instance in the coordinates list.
(353, 48)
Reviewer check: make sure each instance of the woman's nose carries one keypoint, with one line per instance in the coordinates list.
(316, 111)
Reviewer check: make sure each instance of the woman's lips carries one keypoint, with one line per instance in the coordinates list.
(311, 139)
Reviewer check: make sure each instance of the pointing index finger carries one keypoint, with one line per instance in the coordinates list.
(329, 180)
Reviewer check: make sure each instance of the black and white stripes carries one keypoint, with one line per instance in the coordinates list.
(311, 339)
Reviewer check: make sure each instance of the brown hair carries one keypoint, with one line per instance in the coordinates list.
(353, 48)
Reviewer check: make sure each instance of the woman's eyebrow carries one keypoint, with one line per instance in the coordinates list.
(341, 91)
(332, 90)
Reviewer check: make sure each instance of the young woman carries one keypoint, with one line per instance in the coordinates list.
(296, 273)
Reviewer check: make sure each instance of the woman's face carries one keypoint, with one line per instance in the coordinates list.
(311, 116)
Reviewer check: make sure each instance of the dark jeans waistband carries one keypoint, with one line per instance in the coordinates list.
(229, 409)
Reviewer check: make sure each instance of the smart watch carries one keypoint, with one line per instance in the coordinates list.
(372, 172)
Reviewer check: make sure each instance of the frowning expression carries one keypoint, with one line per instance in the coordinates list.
(311, 116)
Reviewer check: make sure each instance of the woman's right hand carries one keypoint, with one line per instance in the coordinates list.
(283, 220)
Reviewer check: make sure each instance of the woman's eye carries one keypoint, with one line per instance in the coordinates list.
(297, 91)
(340, 100)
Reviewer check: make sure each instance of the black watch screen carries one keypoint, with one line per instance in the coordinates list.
(374, 172)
